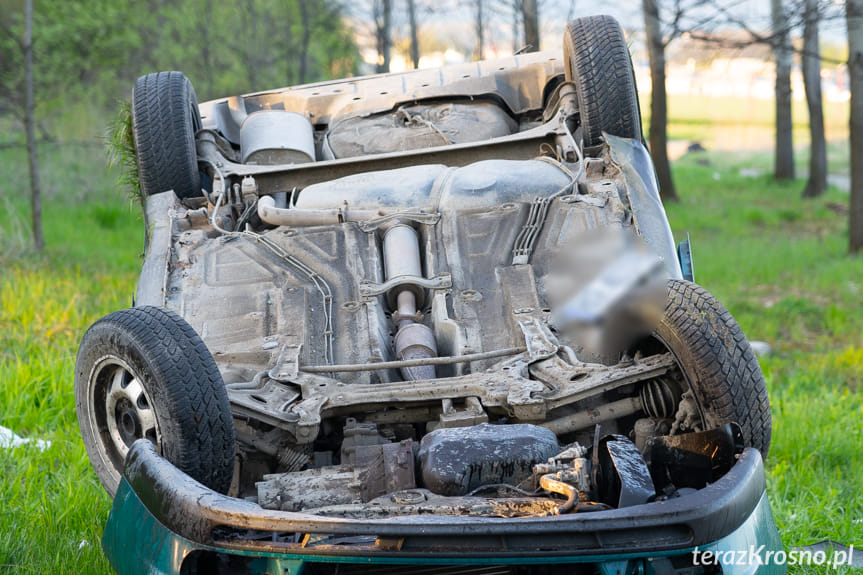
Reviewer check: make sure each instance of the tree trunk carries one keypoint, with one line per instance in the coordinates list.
(415, 40)
(383, 23)
(658, 101)
(29, 120)
(479, 25)
(784, 165)
(516, 29)
(206, 55)
(250, 26)
(530, 15)
(305, 40)
(812, 83)
(516, 11)
(854, 21)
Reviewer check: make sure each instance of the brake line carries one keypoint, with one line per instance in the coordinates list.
(319, 282)
(526, 239)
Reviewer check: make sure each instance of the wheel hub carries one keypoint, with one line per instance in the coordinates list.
(128, 413)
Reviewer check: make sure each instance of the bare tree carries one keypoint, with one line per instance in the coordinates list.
(530, 18)
(382, 12)
(658, 100)
(29, 121)
(206, 44)
(784, 164)
(785, 18)
(479, 28)
(414, 32)
(516, 26)
(249, 19)
(817, 182)
(854, 23)
(305, 40)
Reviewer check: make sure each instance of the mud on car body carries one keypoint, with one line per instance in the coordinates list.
(432, 318)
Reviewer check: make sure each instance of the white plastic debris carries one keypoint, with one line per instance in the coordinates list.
(761, 348)
(9, 440)
(83, 544)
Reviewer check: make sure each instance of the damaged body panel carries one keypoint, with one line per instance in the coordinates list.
(421, 318)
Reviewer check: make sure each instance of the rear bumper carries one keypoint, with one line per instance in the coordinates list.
(161, 516)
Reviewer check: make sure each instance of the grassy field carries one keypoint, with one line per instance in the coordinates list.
(777, 262)
(52, 507)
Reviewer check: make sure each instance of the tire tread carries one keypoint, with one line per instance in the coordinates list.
(163, 124)
(720, 364)
(203, 440)
(601, 67)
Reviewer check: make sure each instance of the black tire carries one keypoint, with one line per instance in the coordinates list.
(717, 361)
(597, 61)
(165, 117)
(144, 373)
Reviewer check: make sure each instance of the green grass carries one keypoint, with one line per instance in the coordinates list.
(52, 507)
(777, 262)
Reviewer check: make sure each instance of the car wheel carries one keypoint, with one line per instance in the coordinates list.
(597, 61)
(143, 373)
(165, 117)
(717, 362)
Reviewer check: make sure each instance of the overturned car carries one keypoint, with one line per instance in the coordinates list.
(431, 318)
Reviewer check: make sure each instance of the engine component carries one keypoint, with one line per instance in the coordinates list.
(457, 460)
(294, 459)
(389, 468)
(657, 397)
(660, 398)
(694, 459)
(568, 474)
(570, 465)
(413, 340)
(272, 137)
(453, 416)
(358, 437)
(646, 428)
(593, 416)
(623, 479)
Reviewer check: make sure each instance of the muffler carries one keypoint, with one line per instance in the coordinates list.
(413, 339)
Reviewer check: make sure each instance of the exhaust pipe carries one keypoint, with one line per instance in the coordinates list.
(413, 339)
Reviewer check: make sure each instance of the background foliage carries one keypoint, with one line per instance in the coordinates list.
(88, 53)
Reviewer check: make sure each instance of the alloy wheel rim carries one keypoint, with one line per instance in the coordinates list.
(123, 410)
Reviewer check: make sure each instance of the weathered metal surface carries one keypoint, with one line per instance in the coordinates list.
(136, 536)
(274, 137)
(284, 177)
(379, 263)
(694, 459)
(374, 470)
(633, 160)
(456, 461)
(624, 479)
(325, 292)
(193, 511)
(518, 81)
(425, 502)
(161, 209)
(416, 126)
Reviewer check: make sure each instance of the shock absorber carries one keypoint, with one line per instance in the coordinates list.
(413, 340)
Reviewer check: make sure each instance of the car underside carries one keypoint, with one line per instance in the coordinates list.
(424, 314)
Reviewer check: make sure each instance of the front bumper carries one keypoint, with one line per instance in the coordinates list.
(162, 518)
